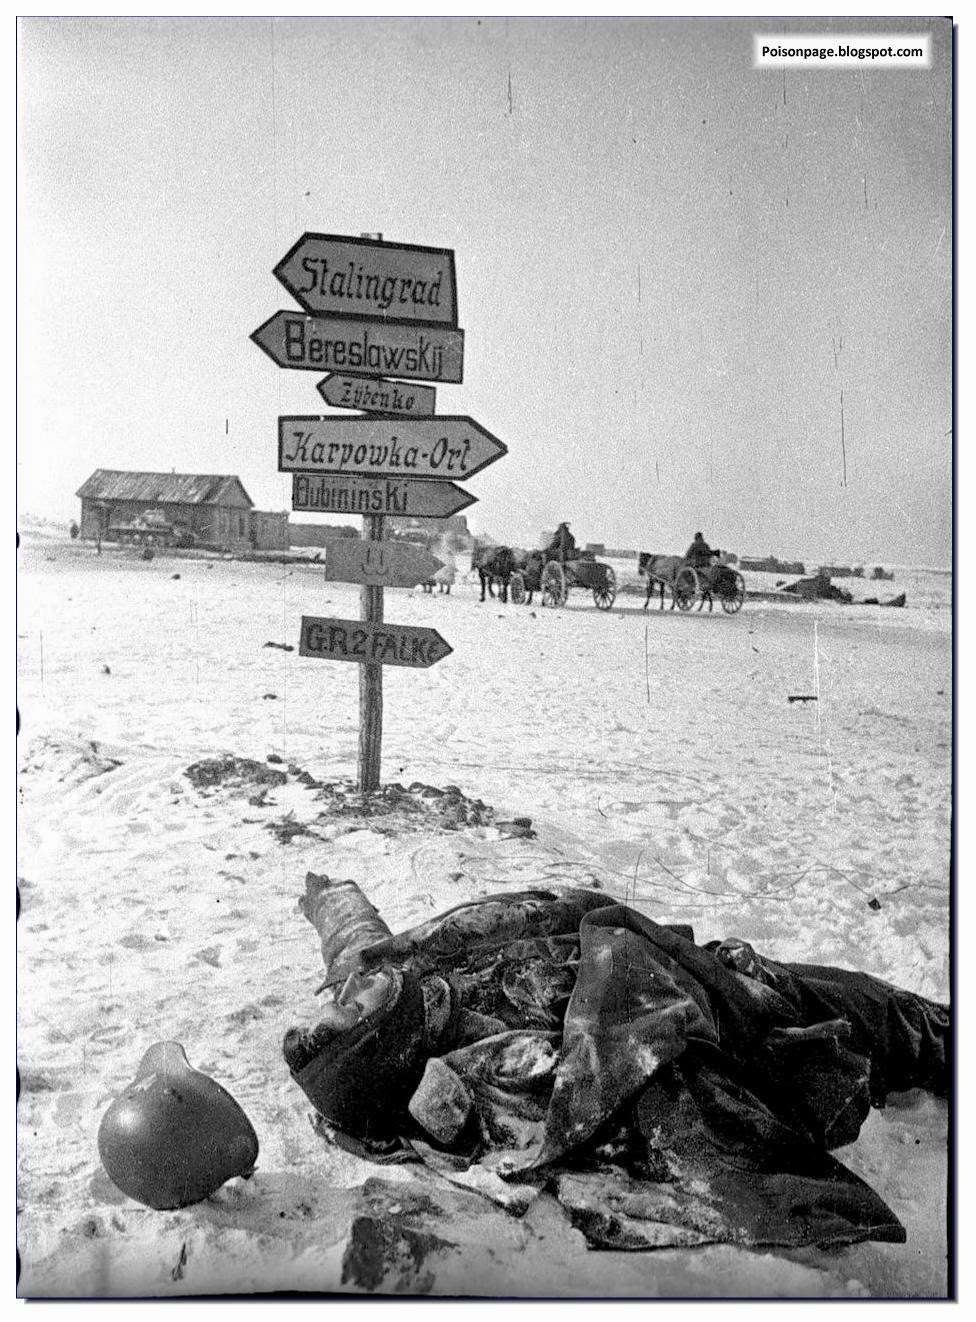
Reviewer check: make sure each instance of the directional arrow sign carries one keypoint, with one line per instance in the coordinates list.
(449, 446)
(383, 644)
(377, 495)
(381, 564)
(349, 277)
(377, 396)
(397, 348)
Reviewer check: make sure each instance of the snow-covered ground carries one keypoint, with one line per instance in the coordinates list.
(658, 757)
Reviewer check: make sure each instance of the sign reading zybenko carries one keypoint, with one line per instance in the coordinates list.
(382, 644)
(324, 494)
(347, 277)
(449, 445)
(377, 396)
(387, 348)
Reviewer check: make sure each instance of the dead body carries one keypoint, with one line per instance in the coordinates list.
(562, 1038)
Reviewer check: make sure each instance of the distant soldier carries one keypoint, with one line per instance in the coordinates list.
(445, 576)
(699, 553)
(562, 547)
(73, 530)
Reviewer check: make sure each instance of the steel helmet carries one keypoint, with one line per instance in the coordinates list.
(174, 1136)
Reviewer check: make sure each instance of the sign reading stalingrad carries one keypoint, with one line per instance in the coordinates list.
(347, 277)
(377, 396)
(450, 445)
(391, 348)
(368, 642)
(382, 564)
(323, 494)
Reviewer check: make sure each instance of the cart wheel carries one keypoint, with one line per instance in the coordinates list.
(733, 592)
(685, 588)
(516, 588)
(554, 589)
(604, 595)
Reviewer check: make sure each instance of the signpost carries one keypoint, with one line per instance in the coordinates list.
(375, 395)
(372, 310)
(382, 564)
(369, 641)
(450, 445)
(347, 277)
(321, 493)
(397, 348)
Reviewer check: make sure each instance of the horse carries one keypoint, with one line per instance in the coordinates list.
(530, 565)
(657, 569)
(494, 564)
(661, 570)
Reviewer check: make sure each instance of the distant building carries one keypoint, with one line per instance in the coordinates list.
(269, 530)
(770, 565)
(187, 508)
(318, 534)
(453, 531)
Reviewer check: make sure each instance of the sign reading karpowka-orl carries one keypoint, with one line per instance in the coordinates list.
(380, 563)
(450, 445)
(347, 277)
(390, 348)
(377, 396)
(322, 493)
(362, 641)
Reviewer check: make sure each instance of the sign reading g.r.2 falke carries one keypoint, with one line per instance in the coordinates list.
(362, 641)
(346, 277)
(446, 446)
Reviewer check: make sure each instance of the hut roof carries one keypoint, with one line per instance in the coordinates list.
(167, 488)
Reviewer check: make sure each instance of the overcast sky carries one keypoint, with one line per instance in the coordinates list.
(670, 264)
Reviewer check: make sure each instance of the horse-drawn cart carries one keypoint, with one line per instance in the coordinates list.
(553, 579)
(688, 583)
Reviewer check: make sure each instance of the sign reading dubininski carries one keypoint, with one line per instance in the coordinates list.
(321, 493)
(390, 348)
(449, 446)
(346, 277)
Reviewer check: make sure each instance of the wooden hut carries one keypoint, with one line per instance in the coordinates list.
(204, 510)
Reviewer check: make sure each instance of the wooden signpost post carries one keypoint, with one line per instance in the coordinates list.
(372, 310)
